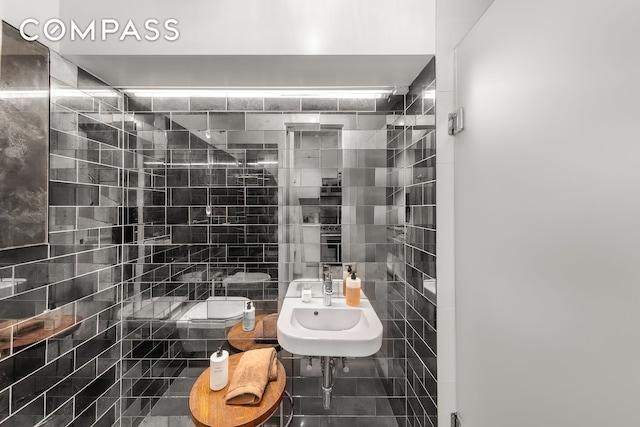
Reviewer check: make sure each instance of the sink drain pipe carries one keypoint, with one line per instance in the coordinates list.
(328, 368)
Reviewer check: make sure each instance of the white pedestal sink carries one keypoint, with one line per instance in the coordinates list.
(338, 330)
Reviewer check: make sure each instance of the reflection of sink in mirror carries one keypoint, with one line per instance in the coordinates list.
(338, 330)
(160, 308)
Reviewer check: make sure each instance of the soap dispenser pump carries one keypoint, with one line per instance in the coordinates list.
(249, 317)
(353, 290)
(345, 276)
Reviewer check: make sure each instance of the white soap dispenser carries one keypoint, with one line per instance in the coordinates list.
(249, 317)
(52, 317)
(219, 370)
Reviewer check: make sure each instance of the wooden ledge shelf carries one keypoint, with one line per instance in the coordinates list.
(68, 325)
(208, 408)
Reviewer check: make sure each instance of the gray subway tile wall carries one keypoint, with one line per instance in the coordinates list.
(406, 393)
(133, 246)
(203, 246)
(419, 158)
(241, 235)
(80, 271)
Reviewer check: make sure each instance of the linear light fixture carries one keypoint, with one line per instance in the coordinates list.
(328, 92)
(77, 93)
(13, 94)
(238, 164)
(259, 163)
(263, 162)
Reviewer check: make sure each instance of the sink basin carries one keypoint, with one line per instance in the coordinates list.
(338, 330)
(327, 318)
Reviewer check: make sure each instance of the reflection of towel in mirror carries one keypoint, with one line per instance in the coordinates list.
(19, 329)
(267, 328)
(255, 369)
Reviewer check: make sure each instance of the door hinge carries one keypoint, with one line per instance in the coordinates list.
(455, 421)
(456, 121)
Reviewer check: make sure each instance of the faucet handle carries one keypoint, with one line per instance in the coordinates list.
(326, 271)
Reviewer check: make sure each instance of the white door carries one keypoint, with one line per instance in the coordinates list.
(547, 215)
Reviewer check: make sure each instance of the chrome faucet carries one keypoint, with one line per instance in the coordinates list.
(328, 285)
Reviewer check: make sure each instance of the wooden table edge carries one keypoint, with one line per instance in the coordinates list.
(252, 422)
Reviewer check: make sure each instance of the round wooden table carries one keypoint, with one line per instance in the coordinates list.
(208, 408)
(243, 341)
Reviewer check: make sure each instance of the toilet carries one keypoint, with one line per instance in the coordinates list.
(156, 308)
(203, 328)
(8, 286)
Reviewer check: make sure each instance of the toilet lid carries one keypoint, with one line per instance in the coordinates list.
(216, 308)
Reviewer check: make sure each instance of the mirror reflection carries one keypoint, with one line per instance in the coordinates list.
(312, 194)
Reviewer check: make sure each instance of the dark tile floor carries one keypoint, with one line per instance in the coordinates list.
(356, 402)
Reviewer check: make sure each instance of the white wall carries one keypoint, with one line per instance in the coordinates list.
(547, 216)
(453, 20)
(279, 27)
(15, 11)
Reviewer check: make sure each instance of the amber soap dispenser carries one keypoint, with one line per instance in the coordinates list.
(353, 290)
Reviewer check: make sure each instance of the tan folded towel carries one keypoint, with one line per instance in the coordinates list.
(5, 329)
(255, 369)
(19, 329)
(267, 328)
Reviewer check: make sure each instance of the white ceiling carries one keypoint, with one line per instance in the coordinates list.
(256, 43)
(253, 70)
